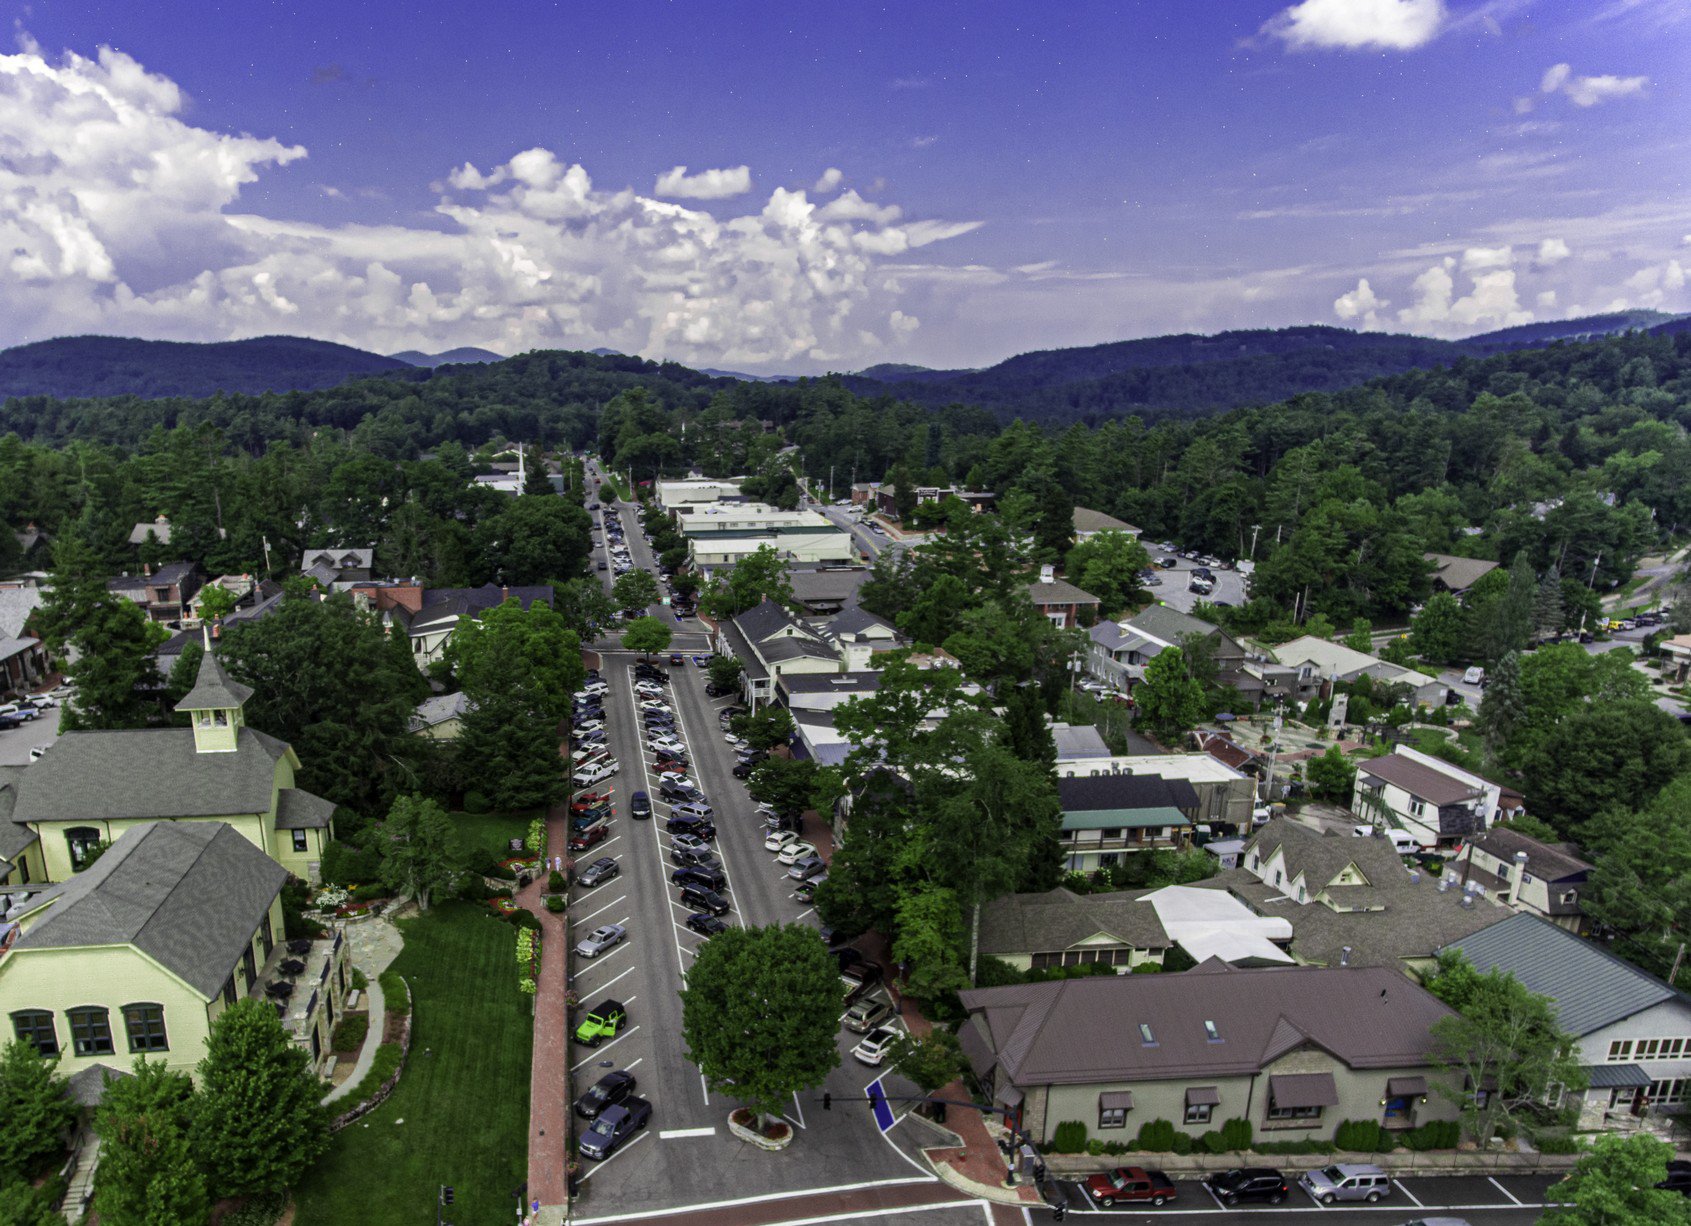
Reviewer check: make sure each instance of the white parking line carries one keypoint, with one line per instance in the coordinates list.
(606, 907)
(1493, 1183)
(599, 1051)
(606, 987)
(721, 852)
(594, 963)
(1399, 1186)
(599, 1166)
(756, 1200)
(676, 1134)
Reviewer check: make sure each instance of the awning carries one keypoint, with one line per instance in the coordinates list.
(1116, 1100)
(1303, 1090)
(1010, 1096)
(1202, 1096)
(1405, 1087)
(1616, 1076)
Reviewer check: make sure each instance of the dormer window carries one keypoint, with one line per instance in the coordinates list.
(1145, 1035)
(1210, 1031)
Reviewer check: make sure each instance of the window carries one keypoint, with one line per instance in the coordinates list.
(229, 990)
(90, 1031)
(1112, 832)
(1198, 1113)
(265, 936)
(1293, 1113)
(145, 1023)
(1145, 1035)
(248, 967)
(1674, 1090)
(1112, 1117)
(299, 841)
(1621, 1049)
(1417, 807)
(82, 841)
(1210, 1032)
(1109, 859)
(35, 1027)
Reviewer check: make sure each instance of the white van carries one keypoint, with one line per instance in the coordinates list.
(1403, 842)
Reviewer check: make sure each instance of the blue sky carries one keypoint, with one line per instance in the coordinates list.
(938, 183)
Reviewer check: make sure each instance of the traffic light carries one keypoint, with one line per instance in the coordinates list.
(1059, 1212)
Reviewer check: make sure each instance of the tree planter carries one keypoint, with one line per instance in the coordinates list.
(743, 1124)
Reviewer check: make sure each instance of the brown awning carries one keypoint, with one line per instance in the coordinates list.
(977, 1049)
(1405, 1087)
(1116, 1100)
(1202, 1096)
(1303, 1090)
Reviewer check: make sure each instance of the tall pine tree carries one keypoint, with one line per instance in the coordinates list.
(148, 1175)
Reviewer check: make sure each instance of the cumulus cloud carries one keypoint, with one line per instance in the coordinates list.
(1584, 91)
(1654, 284)
(829, 181)
(117, 215)
(1492, 302)
(1361, 303)
(706, 185)
(1552, 251)
(1387, 25)
(1476, 259)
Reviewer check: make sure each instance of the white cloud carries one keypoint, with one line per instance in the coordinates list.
(1361, 303)
(1476, 259)
(1546, 300)
(923, 142)
(706, 185)
(829, 181)
(1588, 91)
(1390, 25)
(118, 216)
(849, 206)
(1654, 284)
(1552, 251)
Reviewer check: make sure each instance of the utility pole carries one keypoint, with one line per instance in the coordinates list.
(1677, 958)
(1255, 528)
(1273, 753)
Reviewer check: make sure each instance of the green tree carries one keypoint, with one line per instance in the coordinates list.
(647, 635)
(216, 602)
(903, 481)
(1614, 1184)
(1641, 888)
(931, 1062)
(1107, 564)
(37, 1111)
(531, 653)
(1169, 701)
(183, 674)
(1547, 614)
(536, 482)
(1439, 630)
(585, 607)
(931, 942)
(1503, 705)
(1501, 1036)
(1332, 775)
(724, 672)
(635, 590)
(250, 1059)
(760, 1014)
(419, 854)
(792, 785)
(877, 859)
(1361, 636)
(1613, 755)
(534, 540)
(760, 575)
(23, 1205)
(148, 1173)
(764, 728)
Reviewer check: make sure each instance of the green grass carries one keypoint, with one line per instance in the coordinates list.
(463, 1096)
(615, 485)
(485, 836)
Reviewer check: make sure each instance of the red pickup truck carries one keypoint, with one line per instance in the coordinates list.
(1130, 1183)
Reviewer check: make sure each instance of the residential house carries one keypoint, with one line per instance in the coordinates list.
(264, 599)
(1061, 601)
(1111, 815)
(1321, 664)
(163, 594)
(1227, 751)
(1456, 575)
(886, 496)
(158, 529)
(771, 643)
(338, 568)
(90, 787)
(859, 636)
(1293, 1050)
(1676, 654)
(32, 545)
(1121, 650)
(241, 587)
(140, 953)
(17, 606)
(822, 591)
(428, 616)
(1225, 796)
(23, 664)
(1525, 874)
(1351, 901)
(440, 717)
(1061, 928)
(1632, 1030)
(1089, 523)
(1437, 802)
(824, 691)
(863, 493)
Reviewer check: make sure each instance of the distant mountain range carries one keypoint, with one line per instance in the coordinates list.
(1182, 375)
(76, 366)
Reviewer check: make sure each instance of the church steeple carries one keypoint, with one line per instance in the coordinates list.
(215, 705)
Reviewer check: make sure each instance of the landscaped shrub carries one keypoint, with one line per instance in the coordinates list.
(524, 919)
(386, 1062)
(1439, 1134)
(1214, 1142)
(996, 973)
(1361, 1136)
(1070, 1138)
(1095, 1148)
(555, 903)
(296, 897)
(350, 1032)
(359, 981)
(1155, 1136)
(371, 892)
(1553, 1143)
(394, 992)
(475, 802)
(1236, 1135)
(261, 1210)
(345, 864)
(555, 882)
(1181, 1143)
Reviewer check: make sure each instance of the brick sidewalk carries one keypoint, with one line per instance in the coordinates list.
(548, 1088)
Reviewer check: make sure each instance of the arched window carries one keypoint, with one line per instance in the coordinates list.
(90, 1031)
(145, 1023)
(35, 1027)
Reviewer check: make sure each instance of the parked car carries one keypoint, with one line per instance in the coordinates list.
(1474, 676)
(683, 857)
(807, 868)
(865, 1015)
(1679, 1177)
(582, 840)
(1128, 1184)
(873, 1047)
(595, 815)
(603, 1021)
(1346, 1181)
(662, 742)
(600, 940)
(709, 878)
(689, 842)
(698, 898)
(24, 711)
(792, 853)
(589, 800)
(713, 690)
(670, 761)
(613, 1129)
(805, 891)
(675, 778)
(675, 794)
(705, 924)
(1248, 1183)
(588, 776)
(779, 840)
(611, 1089)
(598, 872)
(743, 770)
(695, 810)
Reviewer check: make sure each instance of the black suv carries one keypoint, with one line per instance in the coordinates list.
(1248, 1183)
(696, 826)
(708, 878)
(697, 898)
(684, 857)
(608, 1091)
(640, 806)
(679, 793)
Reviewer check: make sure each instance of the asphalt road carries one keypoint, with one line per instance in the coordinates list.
(868, 543)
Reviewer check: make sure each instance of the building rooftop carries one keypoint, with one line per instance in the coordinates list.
(1458, 574)
(1548, 861)
(1059, 591)
(1166, 625)
(1057, 919)
(1428, 783)
(1088, 520)
(214, 689)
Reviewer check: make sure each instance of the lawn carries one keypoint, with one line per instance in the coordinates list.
(483, 837)
(460, 1113)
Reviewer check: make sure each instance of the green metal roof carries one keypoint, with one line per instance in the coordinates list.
(1136, 819)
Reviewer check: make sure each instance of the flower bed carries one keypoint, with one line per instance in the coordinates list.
(502, 906)
(777, 1134)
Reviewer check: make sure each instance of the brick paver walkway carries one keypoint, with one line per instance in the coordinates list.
(548, 1095)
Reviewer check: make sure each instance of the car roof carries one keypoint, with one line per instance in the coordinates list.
(603, 862)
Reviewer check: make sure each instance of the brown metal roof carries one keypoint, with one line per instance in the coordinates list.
(1303, 1090)
(1116, 1100)
(1418, 779)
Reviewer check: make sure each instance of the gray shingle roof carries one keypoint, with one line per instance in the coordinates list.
(14, 836)
(87, 1086)
(300, 810)
(1547, 861)
(1169, 625)
(1057, 919)
(148, 772)
(1321, 857)
(16, 604)
(1088, 520)
(214, 689)
(1059, 591)
(189, 895)
(1075, 1031)
(765, 619)
(856, 620)
(1589, 987)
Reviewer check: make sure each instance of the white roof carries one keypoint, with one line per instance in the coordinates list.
(1192, 767)
(1329, 658)
(1214, 924)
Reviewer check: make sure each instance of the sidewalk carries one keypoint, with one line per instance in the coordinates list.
(548, 1089)
(377, 1006)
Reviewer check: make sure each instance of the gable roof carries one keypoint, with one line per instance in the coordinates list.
(766, 619)
(1059, 591)
(1320, 857)
(438, 708)
(1116, 793)
(1167, 625)
(1327, 658)
(1076, 1031)
(1088, 520)
(1057, 919)
(1547, 861)
(338, 558)
(297, 809)
(856, 620)
(451, 603)
(1588, 987)
(1458, 574)
(189, 895)
(16, 604)
(1418, 779)
(214, 689)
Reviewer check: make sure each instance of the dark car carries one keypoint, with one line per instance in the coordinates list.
(675, 657)
(699, 827)
(608, 1091)
(700, 899)
(709, 878)
(652, 673)
(598, 872)
(686, 855)
(706, 924)
(640, 806)
(581, 840)
(614, 1127)
(713, 690)
(743, 770)
(1248, 1183)
(1679, 1178)
(679, 793)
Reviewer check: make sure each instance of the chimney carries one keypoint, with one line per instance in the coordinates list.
(1515, 874)
(146, 570)
(1344, 955)
(505, 592)
(1047, 572)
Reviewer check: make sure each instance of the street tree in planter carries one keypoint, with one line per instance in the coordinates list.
(764, 728)
(1616, 1183)
(932, 1062)
(647, 635)
(724, 671)
(635, 590)
(760, 1015)
(793, 785)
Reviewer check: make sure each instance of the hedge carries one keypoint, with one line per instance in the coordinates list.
(1070, 1138)
(1439, 1134)
(350, 1032)
(389, 1056)
(1361, 1137)
(261, 1210)
(396, 995)
(1157, 1136)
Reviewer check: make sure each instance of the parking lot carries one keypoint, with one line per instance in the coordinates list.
(15, 743)
(1174, 588)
